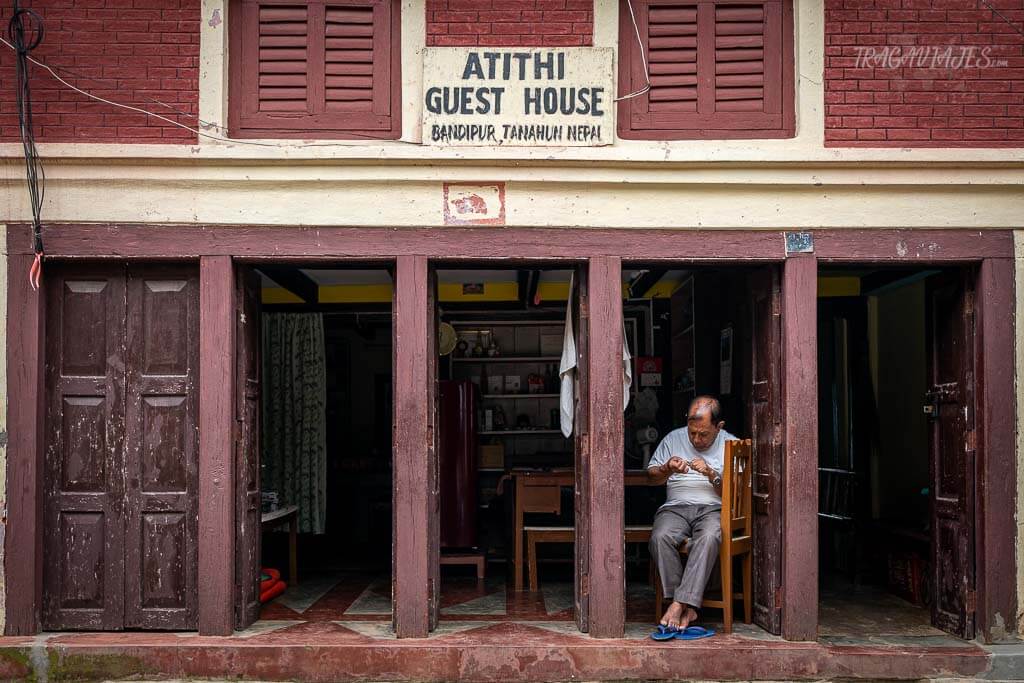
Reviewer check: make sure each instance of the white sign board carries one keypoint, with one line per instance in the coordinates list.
(552, 97)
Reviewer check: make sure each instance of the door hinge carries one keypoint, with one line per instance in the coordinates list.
(585, 584)
(971, 440)
(777, 434)
(778, 598)
(971, 601)
(776, 302)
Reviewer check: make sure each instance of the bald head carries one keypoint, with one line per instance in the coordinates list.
(703, 421)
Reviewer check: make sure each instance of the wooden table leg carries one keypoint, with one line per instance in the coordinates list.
(517, 561)
(293, 550)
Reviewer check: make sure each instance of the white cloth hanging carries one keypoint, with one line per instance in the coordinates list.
(567, 369)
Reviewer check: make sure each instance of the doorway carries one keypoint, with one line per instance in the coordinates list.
(315, 370)
(896, 456)
(714, 331)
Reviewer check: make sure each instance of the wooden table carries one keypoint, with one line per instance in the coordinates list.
(290, 514)
(540, 478)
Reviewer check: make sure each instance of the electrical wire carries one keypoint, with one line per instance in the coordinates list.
(25, 30)
(258, 143)
(643, 56)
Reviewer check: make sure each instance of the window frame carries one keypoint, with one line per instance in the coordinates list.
(636, 122)
(246, 121)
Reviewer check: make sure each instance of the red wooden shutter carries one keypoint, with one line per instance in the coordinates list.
(718, 69)
(315, 68)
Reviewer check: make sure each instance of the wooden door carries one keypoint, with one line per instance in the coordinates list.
(949, 404)
(83, 547)
(579, 304)
(121, 526)
(161, 447)
(433, 465)
(765, 420)
(248, 333)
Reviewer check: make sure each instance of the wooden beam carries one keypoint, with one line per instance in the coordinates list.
(410, 469)
(23, 543)
(216, 431)
(605, 490)
(309, 244)
(800, 462)
(295, 281)
(997, 475)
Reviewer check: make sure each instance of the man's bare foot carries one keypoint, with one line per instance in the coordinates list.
(672, 615)
(687, 617)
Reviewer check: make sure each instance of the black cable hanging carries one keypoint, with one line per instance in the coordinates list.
(25, 31)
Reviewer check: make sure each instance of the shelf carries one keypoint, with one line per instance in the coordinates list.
(509, 359)
(490, 469)
(516, 432)
(521, 396)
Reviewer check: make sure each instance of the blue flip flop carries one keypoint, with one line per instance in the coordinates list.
(665, 632)
(693, 633)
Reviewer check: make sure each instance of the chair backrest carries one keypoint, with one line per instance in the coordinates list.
(736, 489)
(837, 493)
(541, 497)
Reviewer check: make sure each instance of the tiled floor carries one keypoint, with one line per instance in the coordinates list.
(338, 596)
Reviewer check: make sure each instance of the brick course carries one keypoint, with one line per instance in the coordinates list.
(129, 51)
(510, 23)
(889, 82)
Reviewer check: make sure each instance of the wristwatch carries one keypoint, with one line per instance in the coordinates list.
(717, 479)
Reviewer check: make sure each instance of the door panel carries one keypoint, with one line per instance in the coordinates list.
(580, 305)
(161, 447)
(766, 410)
(949, 404)
(247, 447)
(84, 457)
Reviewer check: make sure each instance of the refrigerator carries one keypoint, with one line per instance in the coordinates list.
(457, 463)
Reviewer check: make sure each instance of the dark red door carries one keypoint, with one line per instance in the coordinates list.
(248, 334)
(161, 459)
(949, 404)
(579, 303)
(121, 504)
(765, 414)
(83, 574)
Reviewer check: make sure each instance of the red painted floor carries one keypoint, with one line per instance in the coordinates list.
(338, 629)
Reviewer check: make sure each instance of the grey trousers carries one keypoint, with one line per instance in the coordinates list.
(702, 525)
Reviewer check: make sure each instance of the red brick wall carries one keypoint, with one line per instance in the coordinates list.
(923, 99)
(128, 51)
(480, 23)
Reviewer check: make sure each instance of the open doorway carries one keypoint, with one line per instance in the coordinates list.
(713, 331)
(896, 409)
(316, 348)
(505, 465)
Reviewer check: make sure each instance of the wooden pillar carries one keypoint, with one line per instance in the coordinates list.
(23, 546)
(605, 492)
(800, 466)
(410, 595)
(216, 447)
(997, 477)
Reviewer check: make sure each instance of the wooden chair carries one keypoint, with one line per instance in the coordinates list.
(737, 526)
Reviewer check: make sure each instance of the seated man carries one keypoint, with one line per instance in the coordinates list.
(690, 460)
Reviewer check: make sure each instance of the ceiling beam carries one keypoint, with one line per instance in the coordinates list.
(882, 281)
(295, 281)
(642, 284)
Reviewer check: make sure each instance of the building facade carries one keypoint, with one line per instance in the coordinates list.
(852, 144)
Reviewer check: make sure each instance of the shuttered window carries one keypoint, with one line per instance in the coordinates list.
(315, 68)
(718, 69)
